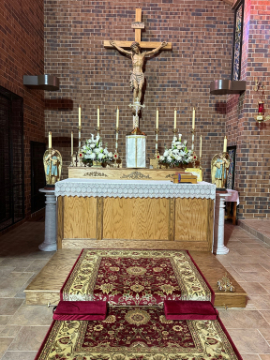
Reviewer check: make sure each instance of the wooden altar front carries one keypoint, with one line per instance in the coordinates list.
(135, 214)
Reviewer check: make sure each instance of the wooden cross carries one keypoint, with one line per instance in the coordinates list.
(138, 25)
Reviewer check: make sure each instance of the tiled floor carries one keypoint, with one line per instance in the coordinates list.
(257, 227)
(23, 327)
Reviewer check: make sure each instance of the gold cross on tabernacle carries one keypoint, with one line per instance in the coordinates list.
(138, 25)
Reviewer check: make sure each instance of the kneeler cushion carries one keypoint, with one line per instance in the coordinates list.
(80, 310)
(189, 310)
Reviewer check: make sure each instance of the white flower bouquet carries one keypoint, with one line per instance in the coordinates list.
(93, 151)
(178, 154)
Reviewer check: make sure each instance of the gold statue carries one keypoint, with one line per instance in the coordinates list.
(52, 161)
(138, 58)
(219, 169)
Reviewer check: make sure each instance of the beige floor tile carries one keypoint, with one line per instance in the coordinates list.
(4, 344)
(265, 357)
(29, 338)
(250, 357)
(10, 285)
(266, 286)
(32, 315)
(18, 264)
(37, 265)
(255, 267)
(251, 251)
(253, 288)
(10, 331)
(243, 319)
(266, 315)
(19, 355)
(8, 306)
(254, 276)
(265, 333)
(249, 341)
(4, 319)
(261, 302)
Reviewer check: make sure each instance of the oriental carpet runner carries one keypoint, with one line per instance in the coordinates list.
(135, 277)
(138, 333)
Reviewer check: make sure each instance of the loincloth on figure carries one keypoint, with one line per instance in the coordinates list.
(138, 78)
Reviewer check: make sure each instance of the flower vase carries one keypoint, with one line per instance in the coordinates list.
(97, 164)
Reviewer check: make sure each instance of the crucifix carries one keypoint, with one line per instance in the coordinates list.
(136, 140)
(138, 59)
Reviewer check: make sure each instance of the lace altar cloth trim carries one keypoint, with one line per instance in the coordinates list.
(133, 189)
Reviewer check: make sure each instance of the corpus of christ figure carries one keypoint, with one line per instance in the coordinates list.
(138, 58)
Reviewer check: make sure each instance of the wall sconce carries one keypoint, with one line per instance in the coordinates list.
(260, 116)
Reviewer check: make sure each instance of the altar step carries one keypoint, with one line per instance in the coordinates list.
(45, 288)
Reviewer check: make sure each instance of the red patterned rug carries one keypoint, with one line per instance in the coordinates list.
(138, 333)
(135, 277)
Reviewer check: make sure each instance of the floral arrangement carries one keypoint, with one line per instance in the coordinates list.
(93, 151)
(178, 154)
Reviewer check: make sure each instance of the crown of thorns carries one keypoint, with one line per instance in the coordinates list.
(135, 44)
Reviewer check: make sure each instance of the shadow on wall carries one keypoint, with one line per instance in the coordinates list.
(59, 104)
(220, 107)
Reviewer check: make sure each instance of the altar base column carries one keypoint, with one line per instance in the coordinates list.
(219, 247)
(49, 243)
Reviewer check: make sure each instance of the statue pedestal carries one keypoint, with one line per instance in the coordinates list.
(49, 243)
(135, 151)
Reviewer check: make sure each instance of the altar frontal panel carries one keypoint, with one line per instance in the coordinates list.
(136, 219)
(185, 223)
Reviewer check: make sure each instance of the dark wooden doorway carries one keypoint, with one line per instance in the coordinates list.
(11, 159)
(38, 180)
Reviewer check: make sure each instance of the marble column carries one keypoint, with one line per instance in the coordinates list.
(219, 248)
(49, 243)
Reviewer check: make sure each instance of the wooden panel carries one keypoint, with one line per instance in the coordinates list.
(80, 217)
(213, 271)
(127, 174)
(42, 298)
(143, 44)
(135, 219)
(55, 272)
(191, 219)
(171, 226)
(99, 221)
(46, 286)
(135, 244)
(59, 222)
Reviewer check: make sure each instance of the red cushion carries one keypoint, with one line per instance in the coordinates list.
(80, 310)
(189, 310)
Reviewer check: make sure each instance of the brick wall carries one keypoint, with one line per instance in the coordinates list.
(22, 53)
(252, 139)
(202, 37)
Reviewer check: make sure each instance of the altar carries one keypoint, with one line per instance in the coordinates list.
(139, 214)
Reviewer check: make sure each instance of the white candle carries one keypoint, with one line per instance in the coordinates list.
(225, 144)
(174, 124)
(80, 115)
(71, 143)
(200, 146)
(157, 119)
(50, 140)
(98, 117)
(193, 119)
(117, 117)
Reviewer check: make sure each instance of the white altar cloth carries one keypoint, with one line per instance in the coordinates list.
(133, 189)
